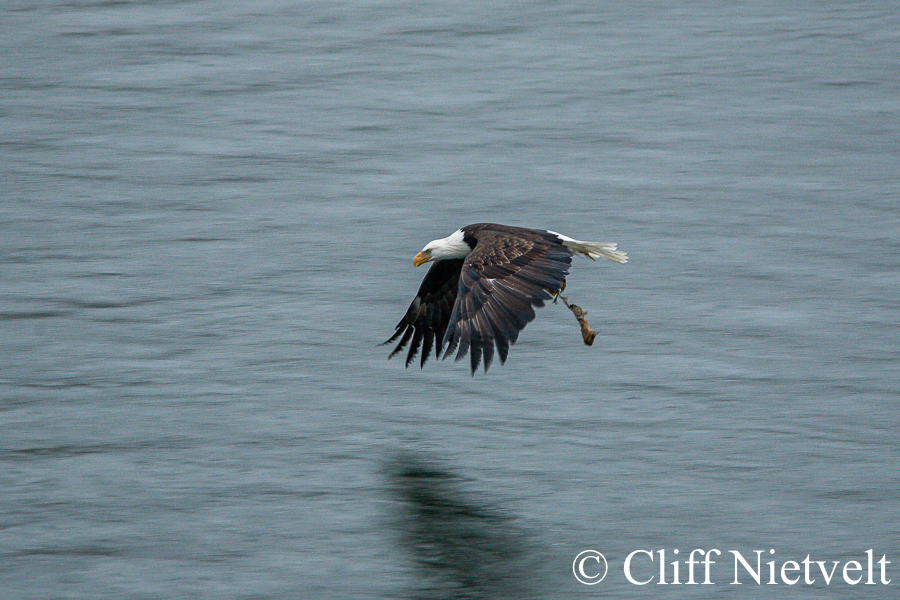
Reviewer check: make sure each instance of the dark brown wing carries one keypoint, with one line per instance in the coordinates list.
(427, 316)
(507, 274)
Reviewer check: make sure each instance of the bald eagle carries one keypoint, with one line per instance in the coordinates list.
(482, 286)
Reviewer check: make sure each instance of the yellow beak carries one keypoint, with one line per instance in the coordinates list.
(420, 259)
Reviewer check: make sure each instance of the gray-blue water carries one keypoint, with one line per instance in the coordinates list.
(208, 212)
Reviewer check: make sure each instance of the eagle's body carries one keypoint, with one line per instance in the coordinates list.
(483, 285)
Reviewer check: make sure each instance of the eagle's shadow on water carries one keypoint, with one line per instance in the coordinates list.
(464, 546)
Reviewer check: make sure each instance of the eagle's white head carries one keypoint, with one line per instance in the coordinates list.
(452, 246)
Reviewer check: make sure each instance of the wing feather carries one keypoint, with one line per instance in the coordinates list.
(502, 330)
(428, 315)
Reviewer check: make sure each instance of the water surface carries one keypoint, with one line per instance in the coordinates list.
(208, 216)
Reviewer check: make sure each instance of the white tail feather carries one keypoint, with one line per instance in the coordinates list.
(593, 250)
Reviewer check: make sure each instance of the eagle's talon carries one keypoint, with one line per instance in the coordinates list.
(556, 293)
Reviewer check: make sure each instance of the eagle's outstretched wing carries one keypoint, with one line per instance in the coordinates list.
(509, 272)
(427, 317)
